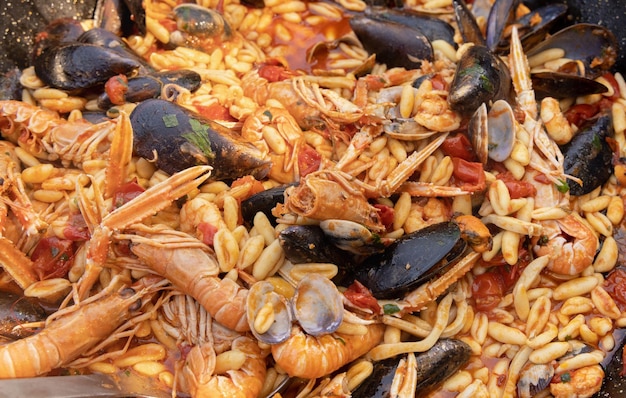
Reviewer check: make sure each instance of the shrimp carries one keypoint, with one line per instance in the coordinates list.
(69, 333)
(47, 136)
(202, 371)
(433, 111)
(193, 269)
(311, 357)
(583, 383)
(571, 249)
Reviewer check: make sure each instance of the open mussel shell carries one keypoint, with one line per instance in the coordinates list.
(309, 244)
(16, 310)
(564, 85)
(534, 379)
(434, 366)
(263, 202)
(588, 155)
(262, 297)
(594, 45)
(411, 260)
(466, 21)
(317, 305)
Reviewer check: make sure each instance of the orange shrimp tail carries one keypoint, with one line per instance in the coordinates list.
(311, 357)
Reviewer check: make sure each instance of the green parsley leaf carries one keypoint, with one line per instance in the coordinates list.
(597, 145)
(341, 340)
(563, 187)
(566, 377)
(170, 120)
(268, 114)
(199, 137)
(390, 309)
(543, 240)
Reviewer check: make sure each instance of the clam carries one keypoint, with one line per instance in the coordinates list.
(263, 301)
(318, 305)
(493, 133)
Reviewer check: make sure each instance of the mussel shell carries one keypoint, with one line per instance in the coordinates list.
(180, 138)
(614, 382)
(410, 260)
(588, 155)
(353, 237)
(592, 44)
(432, 27)
(80, 65)
(394, 44)
(532, 33)
(480, 77)
(563, 85)
(259, 294)
(534, 379)
(470, 32)
(16, 310)
(309, 244)
(433, 367)
(263, 202)
(201, 21)
(104, 38)
(501, 14)
(317, 305)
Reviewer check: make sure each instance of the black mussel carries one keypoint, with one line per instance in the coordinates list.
(564, 85)
(264, 202)
(104, 38)
(177, 138)
(141, 88)
(594, 45)
(532, 32)
(16, 310)
(466, 21)
(432, 27)
(502, 14)
(95, 117)
(481, 77)
(64, 30)
(394, 44)
(196, 22)
(74, 66)
(614, 382)
(433, 367)
(10, 86)
(309, 244)
(588, 155)
(411, 260)
(254, 3)
(122, 17)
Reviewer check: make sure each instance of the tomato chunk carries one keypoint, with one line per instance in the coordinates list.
(53, 257)
(360, 296)
(127, 192)
(488, 290)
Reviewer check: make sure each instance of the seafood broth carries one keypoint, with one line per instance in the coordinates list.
(224, 188)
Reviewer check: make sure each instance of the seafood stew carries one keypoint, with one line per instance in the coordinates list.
(338, 198)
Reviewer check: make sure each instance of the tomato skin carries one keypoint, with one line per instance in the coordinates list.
(386, 214)
(53, 257)
(488, 290)
(215, 112)
(127, 192)
(208, 232)
(360, 296)
(76, 229)
(256, 187)
(458, 146)
(116, 88)
(517, 189)
(309, 160)
(578, 114)
(470, 174)
(274, 73)
(615, 286)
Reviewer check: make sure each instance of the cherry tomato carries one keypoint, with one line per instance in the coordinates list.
(53, 257)
(578, 114)
(208, 232)
(517, 189)
(116, 88)
(470, 173)
(458, 146)
(488, 290)
(274, 73)
(215, 112)
(386, 214)
(615, 285)
(77, 228)
(360, 296)
(308, 160)
(127, 192)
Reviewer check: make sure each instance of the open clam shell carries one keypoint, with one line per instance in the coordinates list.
(318, 305)
(263, 298)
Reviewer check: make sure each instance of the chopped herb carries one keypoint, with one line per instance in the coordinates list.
(479, 72)
(268, 114)
(170, 120)
(566, 377)
(65, 257)
(376, 238)
(199, 137)
(563, 187)
(341, 340)
(390, 309)
(543, 240)
(597, 145)
(127, 372)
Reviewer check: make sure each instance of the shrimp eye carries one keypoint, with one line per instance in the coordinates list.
(127, 292)
(135, 306)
